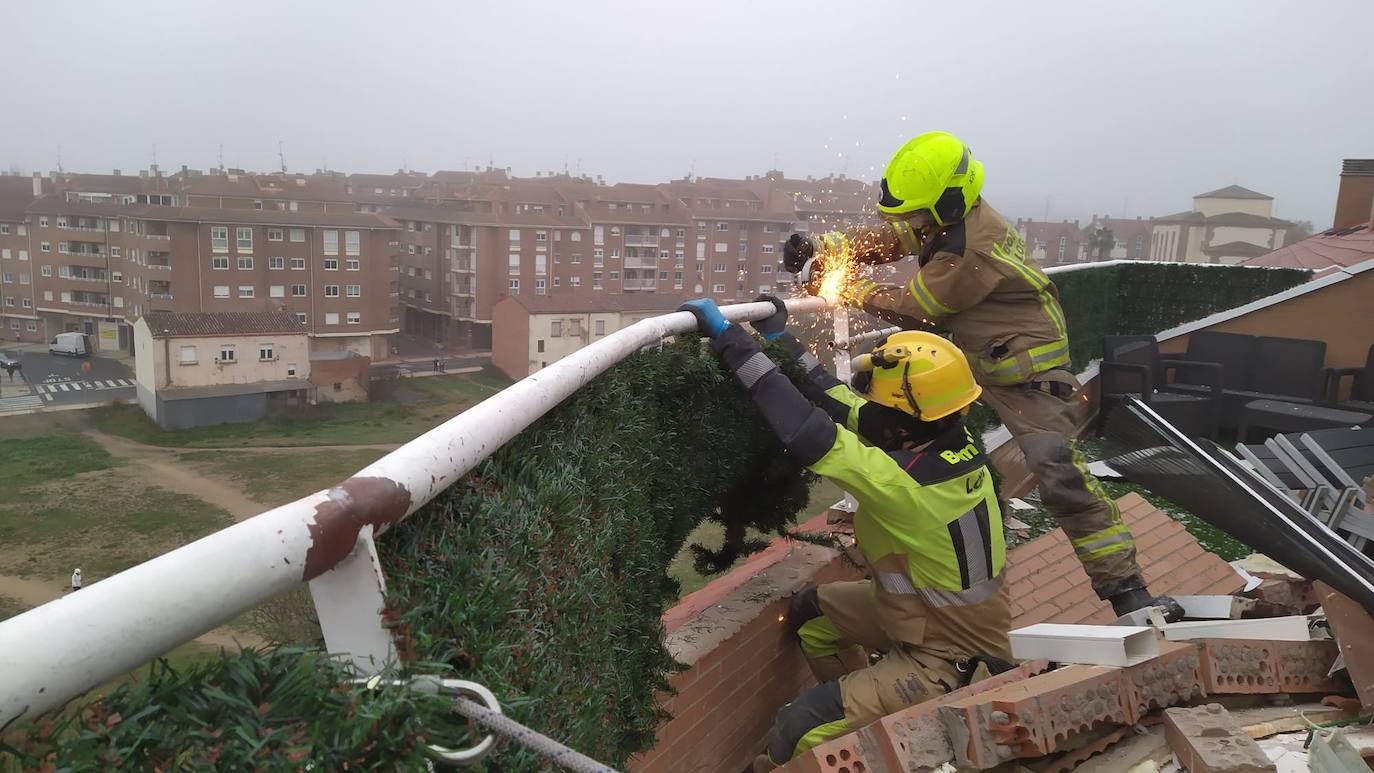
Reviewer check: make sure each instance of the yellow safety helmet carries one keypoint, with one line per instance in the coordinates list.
(921, 374)
(935, 172)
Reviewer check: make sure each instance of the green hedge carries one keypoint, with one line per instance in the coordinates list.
(540, 575)
(1143, 298)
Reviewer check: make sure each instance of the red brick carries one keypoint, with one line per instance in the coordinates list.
(1052, 591)
(1303, 667)
(1207, 740)
(1238, 666)
(1174, 677)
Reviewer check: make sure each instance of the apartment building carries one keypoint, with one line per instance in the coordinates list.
(1054, 243)
(532, 332)
(18, 317)
(1228, 225)
(98, 267)
(1131, 238)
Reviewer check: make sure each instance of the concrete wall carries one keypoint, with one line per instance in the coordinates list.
(1341, 315)
(288, 349)
(1263, 237)
(184, 414)
(1209, 207)
(350, 375)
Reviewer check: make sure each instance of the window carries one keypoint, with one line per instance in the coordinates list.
(28, 303)
(767, 249)
(243, 238)
(1063, 246)
(219, 262)
(338, 386)
(42, 221)
(355, 318)
(44, 247)
(539, 346)
(291, 366)
(576, 328)
(558, 281)
(615, 252)
(245, 262)
(577, 236)
(557, 258)
(596, 280)
(221, 291)
(515, 234)
(576, 258)
(62, 247)
(331, 242)
(600, 327)
(353, 242)
(722, 226)
(540, 264)
(598, 235)
(766, 268)
(615, 230)
(301, 318)
(265, 352)
(353, 264)
(115, 251)
(354, 291)
(45, 271)
(31, 326)
(718, 268)
(298, 264)
(598, 257)
(4, 229)
(245, 291)
(257, 204)
(718, 288)
(9, 300)
(663, 276)
(297, 234)
(331, 318)
(226, 353)
(575, 281)
(556, 328)
(331, 291)
(5, 253)
(331, 264)
(514, 263)
(513, 286)
(297, 291)
(23, 254)
(541, 236)
(276, 264)
(14, 324)
(47, 295)
(276, 291)
(274, 234)
(721, 247)
(615, 275)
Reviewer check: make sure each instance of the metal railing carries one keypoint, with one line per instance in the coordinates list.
(46, 655)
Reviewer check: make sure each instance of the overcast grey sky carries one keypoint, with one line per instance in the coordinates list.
(1078, 107)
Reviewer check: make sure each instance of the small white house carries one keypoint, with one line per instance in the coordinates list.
(195, 369)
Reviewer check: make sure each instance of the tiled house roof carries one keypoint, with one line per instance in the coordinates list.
(1048, 584)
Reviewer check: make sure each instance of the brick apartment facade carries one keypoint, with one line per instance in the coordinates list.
(434, 253)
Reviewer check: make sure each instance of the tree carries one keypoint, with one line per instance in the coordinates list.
(1101, 243)
(1299, 230)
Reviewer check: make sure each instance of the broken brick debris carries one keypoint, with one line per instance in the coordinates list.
(1207, 740)
(1247, 666)
(1048, 585)
(910, 739)
(1354, 631)
(1174, 677)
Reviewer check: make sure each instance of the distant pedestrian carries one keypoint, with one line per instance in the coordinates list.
(436, 364)
(76, 579)
(443, 366)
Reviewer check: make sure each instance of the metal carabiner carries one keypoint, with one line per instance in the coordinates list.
(456, 687)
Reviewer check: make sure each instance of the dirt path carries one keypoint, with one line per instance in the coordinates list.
(286, 449)
(165, 471)
(33, 593)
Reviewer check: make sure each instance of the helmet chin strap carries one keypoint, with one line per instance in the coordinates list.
(906, 390)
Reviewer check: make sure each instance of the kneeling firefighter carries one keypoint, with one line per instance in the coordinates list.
(928, 524)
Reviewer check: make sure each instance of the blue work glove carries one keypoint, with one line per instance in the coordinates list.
(709, 319)
(774, 325)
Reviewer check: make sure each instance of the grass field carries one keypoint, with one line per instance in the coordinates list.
(430, 401)
(10, 607)
(25, 463)
(277, 478)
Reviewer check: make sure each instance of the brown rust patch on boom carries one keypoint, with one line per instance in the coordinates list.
(350, 506)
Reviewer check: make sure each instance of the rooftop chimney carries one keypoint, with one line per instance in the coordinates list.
(117, 173)
(37, 184)
(1355, 198)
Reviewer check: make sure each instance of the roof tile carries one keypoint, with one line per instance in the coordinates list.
(168, 324)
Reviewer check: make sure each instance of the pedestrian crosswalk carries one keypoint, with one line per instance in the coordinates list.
(46, 391)
(24, 404)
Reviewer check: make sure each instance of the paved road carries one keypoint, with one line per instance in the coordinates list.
(57, 380)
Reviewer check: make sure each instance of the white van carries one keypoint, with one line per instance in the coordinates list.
(70, 344)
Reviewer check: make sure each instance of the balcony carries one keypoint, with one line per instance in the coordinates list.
(637, 285)
(159, 266)
(159, 296)
(93, 304)
(86, 228)
(640, 240)
(158, 237)
(88, 278)
(641, 262)
(92, 254)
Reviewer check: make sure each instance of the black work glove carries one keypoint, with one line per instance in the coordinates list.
(774, 325)
(796, 251)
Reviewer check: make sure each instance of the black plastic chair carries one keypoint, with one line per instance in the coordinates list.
(1232, 351)
(1132, 367)
(1361, 389)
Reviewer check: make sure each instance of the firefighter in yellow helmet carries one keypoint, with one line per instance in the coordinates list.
(928, 524)
(973, 278)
